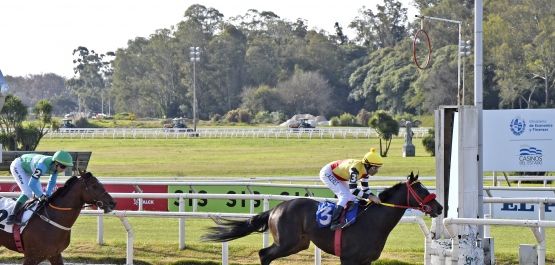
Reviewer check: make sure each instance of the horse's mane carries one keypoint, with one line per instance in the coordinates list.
(63, 190)
(385, 194)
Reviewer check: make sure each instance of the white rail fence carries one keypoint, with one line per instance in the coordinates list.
(535, 225)
(251, 197)
(182, 215)
(209, 133)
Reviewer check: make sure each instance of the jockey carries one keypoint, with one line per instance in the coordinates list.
(27, 170)
(342, 176)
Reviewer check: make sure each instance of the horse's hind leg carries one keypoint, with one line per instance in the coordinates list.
(56, 260)
(285, 249)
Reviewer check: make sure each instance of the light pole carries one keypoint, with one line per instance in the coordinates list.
(195, 57)
(464, 51)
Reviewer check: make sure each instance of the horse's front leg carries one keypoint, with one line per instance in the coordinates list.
(57, 260)
(30, 261)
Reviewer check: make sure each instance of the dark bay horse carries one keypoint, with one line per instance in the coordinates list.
(48, 231)
(293, 225)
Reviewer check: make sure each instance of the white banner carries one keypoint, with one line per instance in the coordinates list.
(519, 140)
(520, 210)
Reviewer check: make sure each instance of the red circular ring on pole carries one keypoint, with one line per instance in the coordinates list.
(414, 49)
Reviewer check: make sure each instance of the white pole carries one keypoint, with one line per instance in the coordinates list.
(459, 68)
(194, 97)
(100, 233)
(265, 235)
(317, 256)
(181, 224)
(129, 229)
(478, 102)
(225, 253)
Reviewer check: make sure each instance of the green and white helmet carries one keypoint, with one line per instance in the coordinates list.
(63, 158)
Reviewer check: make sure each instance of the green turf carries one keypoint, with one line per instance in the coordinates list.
(239, 157)
(156, 240)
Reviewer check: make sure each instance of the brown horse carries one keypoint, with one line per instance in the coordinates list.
(293, 225)
(48, 231)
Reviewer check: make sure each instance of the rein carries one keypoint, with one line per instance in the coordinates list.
(98, 203)
(421, 202)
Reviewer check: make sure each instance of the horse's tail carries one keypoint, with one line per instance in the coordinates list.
(233, 229)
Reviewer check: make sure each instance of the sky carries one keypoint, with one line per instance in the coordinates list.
(38, 36)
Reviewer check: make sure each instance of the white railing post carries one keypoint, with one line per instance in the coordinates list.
(265, 236)
(181, 223)
(100, 230)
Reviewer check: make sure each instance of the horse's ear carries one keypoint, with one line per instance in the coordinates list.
(81, 173)
(411, 177)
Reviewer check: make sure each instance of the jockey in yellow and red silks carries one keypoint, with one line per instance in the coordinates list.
(342, 178)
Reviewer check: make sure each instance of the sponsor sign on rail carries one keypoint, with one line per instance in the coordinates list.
(236, 206)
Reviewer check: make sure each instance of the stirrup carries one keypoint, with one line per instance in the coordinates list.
(337, 226)
(14, 221)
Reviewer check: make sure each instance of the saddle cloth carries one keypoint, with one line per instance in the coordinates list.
(325, 211)
(6, 208)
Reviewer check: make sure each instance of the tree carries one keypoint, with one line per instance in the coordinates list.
(131, 81)
(261, 63)
(306, 93)
(386, 127)
(12, 116)
(165, 73)
(226, 54)
(429, 142)
(520, 35)
(540, 60)
(208, 18)
(262, 98)
(43, 113)
(384, 81)
(91, 70)
(383, 29)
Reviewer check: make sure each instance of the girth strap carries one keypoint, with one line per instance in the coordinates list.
(17, 238)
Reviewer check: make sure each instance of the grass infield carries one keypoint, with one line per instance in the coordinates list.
(156, 239)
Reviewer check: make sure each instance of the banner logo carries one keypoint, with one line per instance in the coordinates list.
(530, 156)
(517, 126)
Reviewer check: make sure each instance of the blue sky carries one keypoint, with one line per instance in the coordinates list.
(39, 36)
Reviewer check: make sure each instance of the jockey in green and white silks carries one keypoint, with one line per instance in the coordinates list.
(342, 178)
(27, 171)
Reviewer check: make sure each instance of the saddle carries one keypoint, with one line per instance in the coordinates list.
(325, 210)
(29, 208)
(6, 207)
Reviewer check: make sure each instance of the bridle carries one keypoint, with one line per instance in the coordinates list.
(426, 209)
(96, 200)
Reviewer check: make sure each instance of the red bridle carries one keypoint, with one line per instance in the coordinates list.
(426, 209)
(423, 207)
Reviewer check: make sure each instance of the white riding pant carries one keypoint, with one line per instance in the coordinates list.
(339, 187)
(22, 178)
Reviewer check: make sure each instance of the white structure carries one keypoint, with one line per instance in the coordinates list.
(4, 90)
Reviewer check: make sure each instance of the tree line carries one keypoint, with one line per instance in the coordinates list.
(259, 62)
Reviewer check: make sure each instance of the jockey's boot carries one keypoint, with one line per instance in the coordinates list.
(351, 205)
(336, 218)
(13, 219)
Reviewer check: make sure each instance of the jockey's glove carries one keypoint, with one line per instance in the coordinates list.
(44, 198)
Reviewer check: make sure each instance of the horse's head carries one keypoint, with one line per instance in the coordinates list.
(95, 193)
(419, 197)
